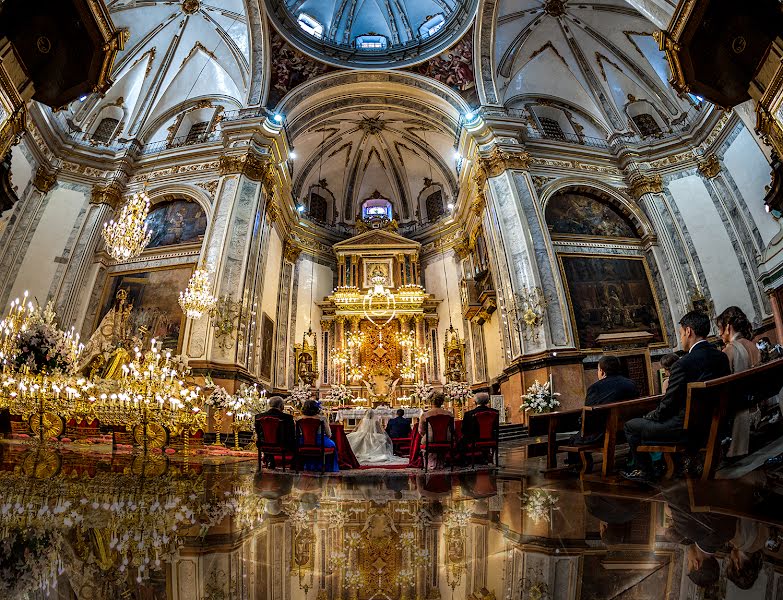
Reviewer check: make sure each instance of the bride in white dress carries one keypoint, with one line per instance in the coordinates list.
(371, 444)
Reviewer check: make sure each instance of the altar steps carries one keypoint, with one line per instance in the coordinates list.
(512, 432)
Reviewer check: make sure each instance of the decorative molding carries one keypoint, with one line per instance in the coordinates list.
(291, 251)
(479, 204)
(272, 210)
(251, 165)
(498, 162)
(107, 194)
(710, 166)
(44, 179)
(209, 186)
(644, 184)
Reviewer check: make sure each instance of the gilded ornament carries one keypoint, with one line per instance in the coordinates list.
(251, 165)
(44, 180)
(109, 194)
(645, 184)
(209, 186)
(710, 166)
(479, 204)
(291, 251)
(497, 163)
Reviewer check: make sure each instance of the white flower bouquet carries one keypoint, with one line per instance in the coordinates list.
(300, 394)
(458, 392)
(538, 504)
(42, 347)
(339, 395)
(219, 399)
(422, 391)
(540, 398)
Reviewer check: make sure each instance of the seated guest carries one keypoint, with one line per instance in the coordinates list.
(665, 424)
(736, 332)
(399, 426)
(667, 362)
(311, 409)
(610, 387)
(470, 428)
(288, 430)
(437, 409)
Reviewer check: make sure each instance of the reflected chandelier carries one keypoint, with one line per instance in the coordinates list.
(127, 236)
(197, 298)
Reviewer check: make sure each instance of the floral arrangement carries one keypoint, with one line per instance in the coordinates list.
(42, 347)
(252, 400)
(219, 399)
(422, 391)
(300, 394)
(458, 392)
(540, 398)
(538, 504)
(339, 395)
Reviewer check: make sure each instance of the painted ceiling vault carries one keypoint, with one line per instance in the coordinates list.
(597, 56)
(372, 33)
(177, 53)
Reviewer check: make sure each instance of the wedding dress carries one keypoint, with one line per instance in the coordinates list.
(371, 444)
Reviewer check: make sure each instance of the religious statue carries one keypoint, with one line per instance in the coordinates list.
(104, 354)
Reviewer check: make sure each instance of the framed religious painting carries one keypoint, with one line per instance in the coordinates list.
(267, 346)
(611, 297)
(153, 296)
(176, 222)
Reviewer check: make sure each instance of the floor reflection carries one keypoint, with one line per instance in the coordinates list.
(92, 525)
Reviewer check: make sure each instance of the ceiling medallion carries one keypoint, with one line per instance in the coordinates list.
(555, 8)
(190, 6)
(372, 125)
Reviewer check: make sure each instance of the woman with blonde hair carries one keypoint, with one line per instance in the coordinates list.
(736, 332)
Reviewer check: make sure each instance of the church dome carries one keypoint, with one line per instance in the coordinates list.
(372, 33)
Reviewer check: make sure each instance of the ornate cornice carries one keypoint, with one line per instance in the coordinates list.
(641, 184)
(12, 129)
(44, 179)
(710, 166)
(110, 195)
(291, 251)
(272, 210)
(479, 204)
(498, 162)
(251, 165)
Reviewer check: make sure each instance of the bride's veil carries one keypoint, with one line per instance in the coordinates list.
(367, 424)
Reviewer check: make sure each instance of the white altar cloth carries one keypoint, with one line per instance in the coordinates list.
(354, 414)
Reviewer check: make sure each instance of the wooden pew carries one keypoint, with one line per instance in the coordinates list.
(549, 425)
(608, 419)
(708, 406)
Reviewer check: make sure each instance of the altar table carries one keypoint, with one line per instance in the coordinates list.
(353, 414)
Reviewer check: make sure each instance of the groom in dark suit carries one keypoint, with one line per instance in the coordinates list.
(399, 426)
(665, 424)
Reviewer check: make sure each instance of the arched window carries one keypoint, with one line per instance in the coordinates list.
(371, 41)
(432, 25)
(310, 25)
(434, 205)
(196, 132)
(105, 130)
(647, 125)
(318, 207)
(376, 207)
(552, 129)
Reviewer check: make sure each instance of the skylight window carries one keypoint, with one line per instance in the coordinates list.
(310, 25)
(432, 25)
(372, 41)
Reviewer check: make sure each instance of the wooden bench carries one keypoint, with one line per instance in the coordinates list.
(550, 424)
(608, 420)
(708, 406)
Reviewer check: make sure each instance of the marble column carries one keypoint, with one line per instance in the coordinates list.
(23, 221)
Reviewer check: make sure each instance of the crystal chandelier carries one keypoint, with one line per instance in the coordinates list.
(128, 235)
(197, 298)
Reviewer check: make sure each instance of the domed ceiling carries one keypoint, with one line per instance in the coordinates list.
(372, 33)
(177, 53)
(598, 57)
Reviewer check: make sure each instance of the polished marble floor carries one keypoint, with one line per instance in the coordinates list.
(95, 525)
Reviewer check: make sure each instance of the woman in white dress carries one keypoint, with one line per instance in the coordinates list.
(371, 444)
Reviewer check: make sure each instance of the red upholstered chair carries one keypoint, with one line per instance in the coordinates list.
(307, 431)
(439, 438)
(488, 435)
(272, 440)
(402, 446)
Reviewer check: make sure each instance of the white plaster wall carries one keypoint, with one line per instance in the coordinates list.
(749, 168)
(435, 283)
(272, 276)
(713, 246)
(38, 267)
(21, 170)
(313, 278)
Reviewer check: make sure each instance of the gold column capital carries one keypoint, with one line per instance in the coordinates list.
(710, 166)
(44, 179)
(497, 162)
(252, 165)
(110, 195)
(642, 184)
(291, 251)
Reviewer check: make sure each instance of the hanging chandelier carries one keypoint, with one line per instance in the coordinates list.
(127, 236)
(197, 298)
